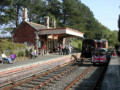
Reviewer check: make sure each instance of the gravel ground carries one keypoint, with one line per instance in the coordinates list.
(41, 79)
(87, 82)
(27, 73)
(84, 84)
(65, 80)
(60, 83)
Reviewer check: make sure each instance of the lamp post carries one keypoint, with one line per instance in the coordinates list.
(37, 40)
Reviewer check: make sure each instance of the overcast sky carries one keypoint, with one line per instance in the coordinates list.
(105, 11)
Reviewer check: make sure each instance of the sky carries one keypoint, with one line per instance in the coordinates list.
(105, 11)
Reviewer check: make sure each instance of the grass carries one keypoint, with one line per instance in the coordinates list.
(8, 46)
(77, 44)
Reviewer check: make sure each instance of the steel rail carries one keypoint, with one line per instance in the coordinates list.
(21, 70)
(99, 78)
(55, 77)
(78, 78)
(36, 76)
(13, 73)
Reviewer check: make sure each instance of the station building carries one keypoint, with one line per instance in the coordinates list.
(37, 35)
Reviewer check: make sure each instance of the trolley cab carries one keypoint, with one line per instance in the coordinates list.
(99, 56)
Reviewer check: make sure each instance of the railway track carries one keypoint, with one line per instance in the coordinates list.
(25, 72)
(60, 78)
(43, 76)
(91, 79)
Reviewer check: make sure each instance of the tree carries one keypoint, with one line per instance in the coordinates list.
(10, 11)
(113, 40)
(119, 29)
(54, 7)
(68, 13)
(37, 10)
(5, 11)
(54, 11)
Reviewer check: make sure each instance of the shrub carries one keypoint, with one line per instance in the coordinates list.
(20, 54)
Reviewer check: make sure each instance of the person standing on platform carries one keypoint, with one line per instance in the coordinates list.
(43, 49)
(60, 49)
(69, 47)
(66, 49)
(6, 58)
(63, 50)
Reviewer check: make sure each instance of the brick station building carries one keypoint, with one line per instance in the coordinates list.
(36, 34)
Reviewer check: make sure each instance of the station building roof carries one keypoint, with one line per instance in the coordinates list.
(55, 31)
(64, 31)
(37, 26)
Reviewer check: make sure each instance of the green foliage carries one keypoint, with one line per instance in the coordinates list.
(119, 28)
(67, 13)
(20, 53)
(6, 11)
(77, 44)
(113, 40)
(6, 44)
(119, 22)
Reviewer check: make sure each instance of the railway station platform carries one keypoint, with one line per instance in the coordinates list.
(112, 77)
(111, 80)
(32, 66)
(50, 58)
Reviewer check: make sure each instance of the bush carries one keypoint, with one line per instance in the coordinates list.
(20, 54)
(80, 46)
(77, 44)
(6, 44)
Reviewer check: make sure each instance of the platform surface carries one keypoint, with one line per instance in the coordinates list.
(112, 77)
(4, 67)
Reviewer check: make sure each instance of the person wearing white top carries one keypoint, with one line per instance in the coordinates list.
(34, 53)
(5, 57)
(69, 47)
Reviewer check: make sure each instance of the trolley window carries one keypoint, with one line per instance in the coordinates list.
(96, 52)
(102, 52)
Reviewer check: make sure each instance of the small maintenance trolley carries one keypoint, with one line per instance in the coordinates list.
(100, 56)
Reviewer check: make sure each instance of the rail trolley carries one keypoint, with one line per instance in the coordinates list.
(100, 56)
(88, 45)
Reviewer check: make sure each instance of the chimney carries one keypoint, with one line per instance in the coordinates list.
(53, 23)
(25, 14)
(47, 22)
